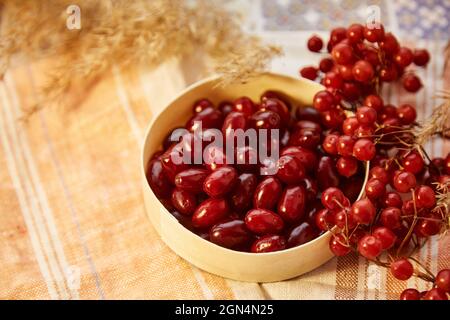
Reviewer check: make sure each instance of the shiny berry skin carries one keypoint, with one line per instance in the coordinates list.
(157, 180)
(391, 217)
(344, 220)
(342, 53)
(233, 121)
(333, 118)
(184, 220)
(191, 180)
(210, 212)
(267, 193)
(309, 72)
(355, 33)
(337, 34)
(366, 115)
(279, 107)
(408, 209)
(220, 181)
(332, 197)
(364, 149)
(327, 175)
(371, 55)
(389, 45)
(326, 64)
(290, 170)
(263, 221)
(374, 34)
(345, 145)
(171, 138)
(307, 113)
(301, 234)
(265, 120)
(404, 57)
(364, 131)
(291, 206)
(411, 83)
(388, 73)
(246, 159)
(363, 71)
(305, 137)
(214, 157)
(242, 195)
(392, 199)
(443, 280)
(244, 105)
(184, 201)
(413, 162)
(338, 245)
(209, 118)
(312, 188)
(350, 125)
(315, 44)
(374, 101)
(324, 220)
(225, 107)
(201, 105)
(421, 57)
(427, 228)
(307, 157)
(346, 72)
(386, 236)
(379, 173)
(402, 269)
(406, 113)
(425, 197)
(231, 234)
(347, 166)
(330, 143)
(370, 247)
(363, 211)
(410, 294)
(388, 111)
(311, 125)
(173, 161)
(269, 244)
(333, 80)
(323, 101)
(435, 294)
(404, 181)
(375, 189)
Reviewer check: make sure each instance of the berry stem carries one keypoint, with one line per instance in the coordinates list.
(411, 228)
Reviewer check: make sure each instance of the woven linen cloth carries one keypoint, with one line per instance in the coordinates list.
(73, 223)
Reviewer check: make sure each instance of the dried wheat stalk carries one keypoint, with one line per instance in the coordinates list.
(125, 32)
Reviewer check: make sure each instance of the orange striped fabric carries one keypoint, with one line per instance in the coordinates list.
(73, 222)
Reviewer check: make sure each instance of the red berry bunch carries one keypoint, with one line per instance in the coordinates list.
(362, 59)
(398, 210)
(230, 202)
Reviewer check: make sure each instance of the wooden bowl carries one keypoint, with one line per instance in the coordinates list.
(261, 267)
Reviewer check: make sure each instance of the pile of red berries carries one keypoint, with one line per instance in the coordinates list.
(362, 58)
(230, 203)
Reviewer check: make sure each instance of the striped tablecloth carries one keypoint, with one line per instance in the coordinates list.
(73, 224)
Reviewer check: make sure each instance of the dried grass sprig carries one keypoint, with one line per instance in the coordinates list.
(125, 33)
(443, 205)
(438, 123)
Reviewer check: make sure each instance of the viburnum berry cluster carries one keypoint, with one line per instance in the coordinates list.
(398, 210)
(362, 59)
